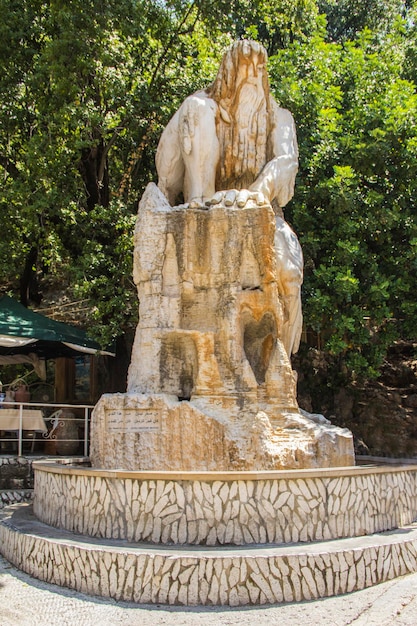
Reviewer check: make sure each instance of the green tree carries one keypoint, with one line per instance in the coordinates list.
(90, 86)
(275, 23)
(84, 98)
(83, 101)
(354, 207)
(347, 18)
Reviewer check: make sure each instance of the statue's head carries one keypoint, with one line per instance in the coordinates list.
(244, 62)
(243, 119)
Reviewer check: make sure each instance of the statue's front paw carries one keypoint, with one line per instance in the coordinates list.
(197, 203)
(227, 197)
(242, 198)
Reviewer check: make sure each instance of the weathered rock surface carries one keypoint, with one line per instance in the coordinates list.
(210, 383)
(157, 431)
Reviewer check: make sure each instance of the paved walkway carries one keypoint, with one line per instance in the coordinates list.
(25, 601)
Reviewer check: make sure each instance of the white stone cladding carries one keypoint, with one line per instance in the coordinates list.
(216, 576)
(225, 508)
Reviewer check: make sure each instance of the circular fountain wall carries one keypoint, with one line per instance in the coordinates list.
(231, 508)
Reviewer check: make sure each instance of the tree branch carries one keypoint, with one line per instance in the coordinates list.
(9, 166)
(165, 51)
(106, 149)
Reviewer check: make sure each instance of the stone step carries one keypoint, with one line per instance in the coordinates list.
(201, 575)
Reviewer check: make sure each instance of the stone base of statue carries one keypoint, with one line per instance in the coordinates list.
(158, 432)
(210, 383)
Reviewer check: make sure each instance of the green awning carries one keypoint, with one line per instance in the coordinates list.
(23, 331)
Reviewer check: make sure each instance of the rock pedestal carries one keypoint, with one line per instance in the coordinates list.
(210, 383)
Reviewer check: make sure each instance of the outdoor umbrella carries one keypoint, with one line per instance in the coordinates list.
(24, 332)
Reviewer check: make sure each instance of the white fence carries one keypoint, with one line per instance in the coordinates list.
(63, 428)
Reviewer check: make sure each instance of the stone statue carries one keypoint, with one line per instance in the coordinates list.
(233, 143)
(231, 136)
(210, 383)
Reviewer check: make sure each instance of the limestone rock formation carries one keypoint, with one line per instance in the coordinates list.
(210, 384)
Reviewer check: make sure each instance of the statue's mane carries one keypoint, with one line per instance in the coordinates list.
(223, 88)
(240, 164)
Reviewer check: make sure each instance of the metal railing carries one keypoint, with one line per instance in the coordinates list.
(56, 424)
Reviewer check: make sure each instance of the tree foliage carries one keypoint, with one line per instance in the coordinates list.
(91, 84)
(83, 100)
(347, 18)
(354, 207)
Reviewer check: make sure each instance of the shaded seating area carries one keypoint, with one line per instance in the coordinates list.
(25, 333)
(31, 421)
(27, 337)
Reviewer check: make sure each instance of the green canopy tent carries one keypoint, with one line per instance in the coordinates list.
(24, 332)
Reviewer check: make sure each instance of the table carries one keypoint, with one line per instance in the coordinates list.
(32, 419)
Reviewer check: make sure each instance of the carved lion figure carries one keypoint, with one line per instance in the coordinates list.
(232, 143)
(231, 136)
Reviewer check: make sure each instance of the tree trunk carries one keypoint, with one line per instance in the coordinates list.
(93, 167)
(29, 288)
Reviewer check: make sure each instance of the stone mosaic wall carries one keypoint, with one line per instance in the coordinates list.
(235, 576)
(15, 473)
(12, 496)
(320, 505)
